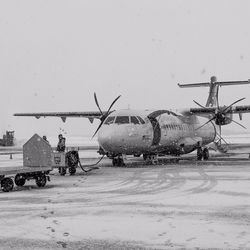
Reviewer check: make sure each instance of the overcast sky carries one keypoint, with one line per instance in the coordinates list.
(55, 54)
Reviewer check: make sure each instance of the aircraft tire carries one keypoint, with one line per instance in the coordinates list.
(7, 184)
(72, 170)
(199, 154)
(19, 180)
(205, 154)
(41, 180)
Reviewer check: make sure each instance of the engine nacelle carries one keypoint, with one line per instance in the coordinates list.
(222, 118)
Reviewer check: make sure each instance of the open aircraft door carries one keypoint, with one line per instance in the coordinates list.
(154, 119)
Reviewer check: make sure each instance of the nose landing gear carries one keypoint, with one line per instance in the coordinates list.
(118, 161)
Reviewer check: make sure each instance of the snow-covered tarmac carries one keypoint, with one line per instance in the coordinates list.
(176, 206)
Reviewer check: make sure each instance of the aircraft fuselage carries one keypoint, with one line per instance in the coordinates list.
(132, 132)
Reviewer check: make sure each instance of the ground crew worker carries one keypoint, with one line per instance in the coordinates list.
(61, 143)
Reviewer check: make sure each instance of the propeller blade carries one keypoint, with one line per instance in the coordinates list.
(97, 104)
(206, 123)
(199, 104)
(238, 123)
(228, 107)
(113, 104)
(98, 128)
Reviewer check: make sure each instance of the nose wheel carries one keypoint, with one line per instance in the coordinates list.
(118, 162)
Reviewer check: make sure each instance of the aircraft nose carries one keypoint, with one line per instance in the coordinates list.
(112, 139)
(105, 136)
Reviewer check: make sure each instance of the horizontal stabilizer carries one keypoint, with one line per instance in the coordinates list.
(207, 84)
(193, 85)
(233, 83)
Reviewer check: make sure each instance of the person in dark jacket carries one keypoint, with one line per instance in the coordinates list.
(61, 143)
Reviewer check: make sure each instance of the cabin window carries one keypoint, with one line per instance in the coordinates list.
(141, 120)
(109, 120)
(134, 120)
(122, 120)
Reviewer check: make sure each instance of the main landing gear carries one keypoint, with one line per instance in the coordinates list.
(202, 154)
(151, 158)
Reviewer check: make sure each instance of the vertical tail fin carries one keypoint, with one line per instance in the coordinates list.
(212, 100)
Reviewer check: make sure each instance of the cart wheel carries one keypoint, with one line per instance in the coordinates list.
(72, 170)
(41, 180)
(19, 180)
(7, 184)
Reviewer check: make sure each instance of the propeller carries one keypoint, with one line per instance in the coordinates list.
(219, 116)
(104, 115)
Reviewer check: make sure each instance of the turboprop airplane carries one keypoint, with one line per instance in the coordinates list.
(160, 132)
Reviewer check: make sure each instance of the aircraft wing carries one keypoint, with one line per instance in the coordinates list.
(202, 111)
(234, 110)
(63, 115)
(241, 109)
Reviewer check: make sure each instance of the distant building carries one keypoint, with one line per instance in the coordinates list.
(8, 139)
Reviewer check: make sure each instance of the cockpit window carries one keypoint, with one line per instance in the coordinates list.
(134, 120)
(141, 120)
(122, 119)
(109, 120)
